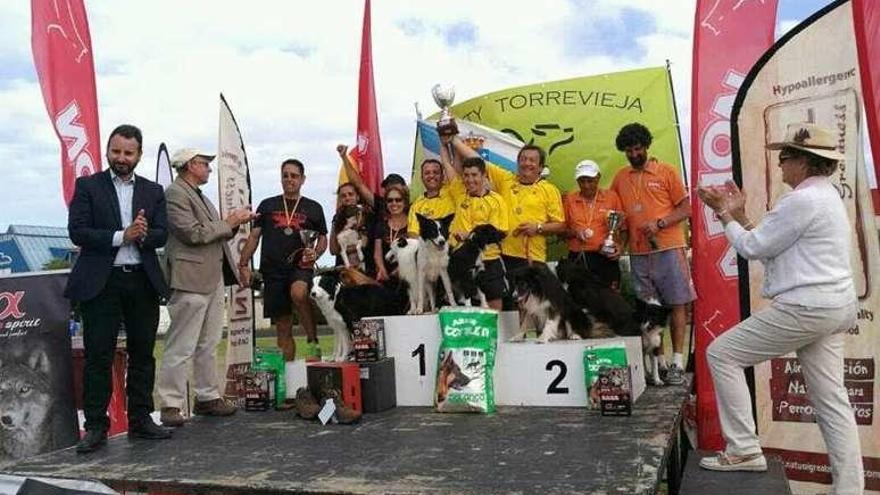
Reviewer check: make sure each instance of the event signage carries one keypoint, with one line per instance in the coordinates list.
(235, 192)
(62, 49)
(36, 385)
(812, 74)
(866, 17)
(718, 25)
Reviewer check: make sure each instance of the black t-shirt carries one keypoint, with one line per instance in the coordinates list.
(277, 245)
(383, 232)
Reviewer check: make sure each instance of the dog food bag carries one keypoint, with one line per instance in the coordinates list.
(466, 360)
(272, 359)
(596, 358)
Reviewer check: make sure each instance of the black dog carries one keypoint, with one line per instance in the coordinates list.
(542, 298)
(601, 301)
(466, 263)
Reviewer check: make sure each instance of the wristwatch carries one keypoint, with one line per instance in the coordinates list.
(661, 223)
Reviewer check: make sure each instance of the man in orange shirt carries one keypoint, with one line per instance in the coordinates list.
(655, 204)
(586, 221)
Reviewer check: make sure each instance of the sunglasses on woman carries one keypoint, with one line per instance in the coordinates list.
(393, 200)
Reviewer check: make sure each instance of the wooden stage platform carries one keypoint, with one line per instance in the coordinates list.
(404, 450)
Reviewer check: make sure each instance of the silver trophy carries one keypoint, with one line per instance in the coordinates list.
(444, 95)
(613, 220)
(309, 239)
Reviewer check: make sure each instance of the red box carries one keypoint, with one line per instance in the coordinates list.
(343, 377)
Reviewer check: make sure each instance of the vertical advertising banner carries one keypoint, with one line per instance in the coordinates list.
(812, 75)
(234, 182)
(37, 410)
(719, 24)
(866, 16)
(62, 49)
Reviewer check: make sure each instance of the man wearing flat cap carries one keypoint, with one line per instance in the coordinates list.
(804, 243)
(199, 266)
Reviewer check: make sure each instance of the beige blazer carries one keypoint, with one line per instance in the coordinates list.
(197, 254)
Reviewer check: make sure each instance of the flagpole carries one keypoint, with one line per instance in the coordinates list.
(684, 168)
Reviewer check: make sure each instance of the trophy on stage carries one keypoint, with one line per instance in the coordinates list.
(613, 220)
(444, 95)
(310, 240)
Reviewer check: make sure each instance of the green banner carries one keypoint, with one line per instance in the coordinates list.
(575, 119)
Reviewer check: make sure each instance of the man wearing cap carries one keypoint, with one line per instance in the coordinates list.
(656, 208)
(198, 265)
(118, 220)
(586, 213)
(804, 243)
(534, 205)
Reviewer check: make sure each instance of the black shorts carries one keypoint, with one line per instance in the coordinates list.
(491, 280)
(276, 291)
(607, 270)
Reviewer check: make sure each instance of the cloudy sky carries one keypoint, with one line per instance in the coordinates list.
(289, 72)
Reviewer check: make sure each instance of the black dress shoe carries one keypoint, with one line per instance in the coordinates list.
(148, 430)
(93, 440)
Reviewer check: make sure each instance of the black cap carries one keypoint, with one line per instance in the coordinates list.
(393, 179)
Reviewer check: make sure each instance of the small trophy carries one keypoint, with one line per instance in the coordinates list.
(309, 239)
(613, 220)
(444, 95)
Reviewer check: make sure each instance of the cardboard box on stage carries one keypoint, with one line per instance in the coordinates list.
(369, 340)
(378, 388)
(343, 377)
(259, 390)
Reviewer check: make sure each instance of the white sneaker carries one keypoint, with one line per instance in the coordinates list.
(723, 462)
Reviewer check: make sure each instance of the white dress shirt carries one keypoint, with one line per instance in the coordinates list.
(128, 254)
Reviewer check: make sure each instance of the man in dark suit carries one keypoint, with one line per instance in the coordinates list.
(118, 220)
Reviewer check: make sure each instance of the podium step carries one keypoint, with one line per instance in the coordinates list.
(698, 481)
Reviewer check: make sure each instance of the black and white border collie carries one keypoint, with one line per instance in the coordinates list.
(405, 252)
(607, 305)
(542, 299)
(350, 235)
(342, 306)
(433, 260)
(467, 262)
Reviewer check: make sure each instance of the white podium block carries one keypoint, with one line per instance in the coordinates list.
(533, 374)
(526, 373)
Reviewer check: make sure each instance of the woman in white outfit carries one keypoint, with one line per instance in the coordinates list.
(804, 244)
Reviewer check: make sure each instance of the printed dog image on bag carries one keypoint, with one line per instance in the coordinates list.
(466, 360)
(26, 408)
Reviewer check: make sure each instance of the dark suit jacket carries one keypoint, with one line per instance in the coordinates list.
(93, 217)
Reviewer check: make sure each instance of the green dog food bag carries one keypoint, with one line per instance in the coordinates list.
(595, 359)
(466, 361)
(272, 359)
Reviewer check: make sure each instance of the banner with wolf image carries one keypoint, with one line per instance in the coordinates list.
(812, 75)
(37, 411)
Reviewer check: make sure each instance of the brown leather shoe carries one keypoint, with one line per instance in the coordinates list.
(344, 414)
(171, 416)
(306, 405)
(216, 407)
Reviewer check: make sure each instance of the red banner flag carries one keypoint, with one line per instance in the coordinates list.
(866, 17)
(369, 146)
(62, 51)
(718, 72)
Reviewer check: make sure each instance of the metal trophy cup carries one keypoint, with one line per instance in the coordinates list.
(310, 240)
(444, 95)
(613, 220)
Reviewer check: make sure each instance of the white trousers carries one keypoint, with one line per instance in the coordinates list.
(195, 330)
(817, 335)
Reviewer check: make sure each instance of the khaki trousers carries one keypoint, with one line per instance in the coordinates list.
(195, 330)
(817, 336)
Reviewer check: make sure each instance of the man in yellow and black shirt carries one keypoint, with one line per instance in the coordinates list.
(534, 205)
(480, 206)
(437, 201)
